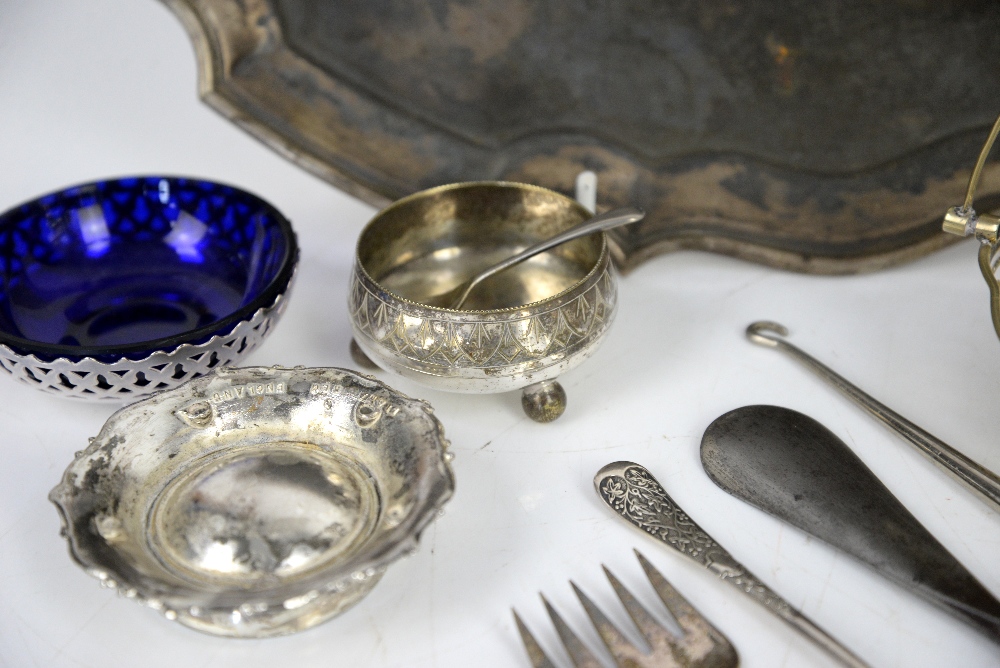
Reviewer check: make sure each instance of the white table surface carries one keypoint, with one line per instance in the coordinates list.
(97, 88)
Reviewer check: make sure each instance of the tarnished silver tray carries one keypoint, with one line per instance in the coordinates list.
(255, 502)
(822, 137)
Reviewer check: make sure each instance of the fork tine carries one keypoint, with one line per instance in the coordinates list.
(581, 655)
(700, 646)
(619, 646)
(702, 643)
(652, 630)
(678, 606)
(535, 653)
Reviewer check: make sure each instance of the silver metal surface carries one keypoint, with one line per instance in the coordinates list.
(707, 114)
(127, 379)
(255, 502)
(979, 479)
(700, 644)
(634, 494)
(526, 325)
(457, 296)
(544, 401)
(794, 468)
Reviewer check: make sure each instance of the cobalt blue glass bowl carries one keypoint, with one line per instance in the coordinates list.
(120, 288)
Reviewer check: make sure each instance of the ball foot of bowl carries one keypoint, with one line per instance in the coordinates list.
(544, 402)
(360, 358)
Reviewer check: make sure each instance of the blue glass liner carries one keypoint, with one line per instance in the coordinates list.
(126, 267)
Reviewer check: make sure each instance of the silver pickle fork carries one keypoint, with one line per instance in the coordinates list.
(700, 645)
(635, 495)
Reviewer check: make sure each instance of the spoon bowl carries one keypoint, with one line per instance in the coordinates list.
(457, 296)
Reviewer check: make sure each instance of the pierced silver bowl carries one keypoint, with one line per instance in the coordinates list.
(116, 289)
(256, 502)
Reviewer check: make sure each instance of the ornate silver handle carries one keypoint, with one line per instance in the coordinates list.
(979, 479)
(632, 492)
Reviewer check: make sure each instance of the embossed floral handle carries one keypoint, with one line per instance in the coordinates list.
(632, 492)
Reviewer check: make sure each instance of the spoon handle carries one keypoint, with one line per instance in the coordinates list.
(604, 221)
(979, 479)
(632, 492)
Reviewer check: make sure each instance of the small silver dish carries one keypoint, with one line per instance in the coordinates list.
(256, 502)
(520, 329)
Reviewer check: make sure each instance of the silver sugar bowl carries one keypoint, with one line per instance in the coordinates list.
(520, 329)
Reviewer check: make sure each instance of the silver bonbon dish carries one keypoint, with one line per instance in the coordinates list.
(256, 502)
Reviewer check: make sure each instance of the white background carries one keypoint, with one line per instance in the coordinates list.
(96, 88)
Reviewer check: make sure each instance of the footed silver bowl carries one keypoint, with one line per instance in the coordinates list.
(256, 502)
(520, 328)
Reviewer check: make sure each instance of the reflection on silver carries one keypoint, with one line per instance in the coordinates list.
(256, 502)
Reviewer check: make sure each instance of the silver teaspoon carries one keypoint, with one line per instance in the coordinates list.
(454, 298)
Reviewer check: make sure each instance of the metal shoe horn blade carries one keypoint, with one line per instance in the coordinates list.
(794, 468)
